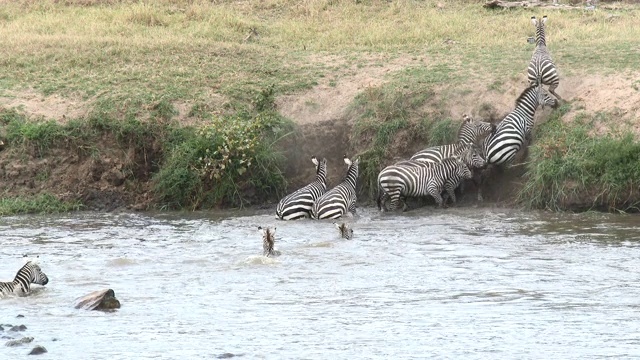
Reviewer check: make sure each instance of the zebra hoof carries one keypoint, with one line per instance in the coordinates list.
(104, 300)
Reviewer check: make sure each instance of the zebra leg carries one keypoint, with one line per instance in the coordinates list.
(451, 191)
(552, 90)
(438, 198)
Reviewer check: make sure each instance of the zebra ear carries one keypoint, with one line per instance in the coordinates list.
(544, 19)
(347, 161)
(534, 21)
(337, 226)
(466, 118)
(314, 160)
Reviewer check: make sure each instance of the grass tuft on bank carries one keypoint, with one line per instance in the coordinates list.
(38, 204)
(572, 167)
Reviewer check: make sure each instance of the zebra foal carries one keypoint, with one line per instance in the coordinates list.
(269, 242)
(29, 273)
(298, 204)
(542, 70)
(341, 200)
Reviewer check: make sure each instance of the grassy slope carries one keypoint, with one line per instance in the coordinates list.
(124, 58)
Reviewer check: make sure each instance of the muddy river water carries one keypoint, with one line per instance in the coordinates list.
(445, 284)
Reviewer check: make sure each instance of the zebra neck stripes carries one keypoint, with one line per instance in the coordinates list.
(28, 274)
(341, 200)
(540, 36)
(298, 204)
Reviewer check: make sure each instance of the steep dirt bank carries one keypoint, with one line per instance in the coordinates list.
(120, 177)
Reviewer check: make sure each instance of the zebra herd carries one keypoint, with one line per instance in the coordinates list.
(438, 169)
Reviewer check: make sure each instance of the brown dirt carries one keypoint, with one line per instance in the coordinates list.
(120, 177)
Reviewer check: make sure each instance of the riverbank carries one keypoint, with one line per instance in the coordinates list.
(163, 106)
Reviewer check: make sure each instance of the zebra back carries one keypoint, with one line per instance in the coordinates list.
(470, 132)
(512, 132)
(29, 273)
(341, 199)
(298, 204)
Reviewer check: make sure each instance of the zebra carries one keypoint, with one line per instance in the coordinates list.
(268, 242)
(28, 274)
(470, 132)
(514, 131)
(298, 204)
(346, 232)
(341, 200)
(413, 179)
(542, 70)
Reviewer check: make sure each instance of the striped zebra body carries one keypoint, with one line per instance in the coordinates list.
(298, 204)
(341, 200)
(514, 131)
(414, 179)
(470, 132)
(542, 70)
(29, 274)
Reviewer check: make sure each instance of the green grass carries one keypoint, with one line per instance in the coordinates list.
(569, 162)
(39, 204)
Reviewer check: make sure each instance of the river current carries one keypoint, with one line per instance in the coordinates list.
(459, 283)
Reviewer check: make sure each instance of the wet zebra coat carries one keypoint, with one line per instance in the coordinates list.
(268, 242)
(415, 179)
(341, 200)
(297, 205)
(28, 274)
(541, 69)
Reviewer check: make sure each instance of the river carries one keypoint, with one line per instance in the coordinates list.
(459, 283)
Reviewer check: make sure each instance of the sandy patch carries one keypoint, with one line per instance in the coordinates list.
(53, 107)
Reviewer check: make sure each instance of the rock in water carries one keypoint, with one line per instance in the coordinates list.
(24, 340)
(38, 350)
(99, 300)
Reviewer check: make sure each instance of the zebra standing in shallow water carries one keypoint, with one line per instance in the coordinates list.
(541, 68)
(417, 179)
(514, 131)
(29, 274)
(298, 204)
(470, 132)
(341, 199)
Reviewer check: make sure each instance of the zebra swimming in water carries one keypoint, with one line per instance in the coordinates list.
(341, 200)
(415, 179)
(298, 204)
(542, 70)
(268, 242)
(470, 132)
(514, 131)
(29, 273)
(346, 232)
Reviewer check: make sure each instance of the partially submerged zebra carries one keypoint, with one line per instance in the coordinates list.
(415, 179)
(514, 131)
(470, 132)
(298, 204)
(541, 69)
(346, 232)
(29, 273)
(268, 242)
(341, 200)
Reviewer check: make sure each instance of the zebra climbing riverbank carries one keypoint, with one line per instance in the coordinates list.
(298, 204)
(541, 69)
(341, 200)
(514, 131)
(416, 179)
(29, 273)
(470, 132)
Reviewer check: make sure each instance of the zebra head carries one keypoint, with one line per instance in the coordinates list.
(540, 36)
(545, 99)
(472, 157)
(462, 169)
(346, 232)
(31, 273)
(268, 241)
(321, 169)
(471, 130)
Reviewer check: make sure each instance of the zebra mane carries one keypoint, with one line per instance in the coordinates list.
(525, 92)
